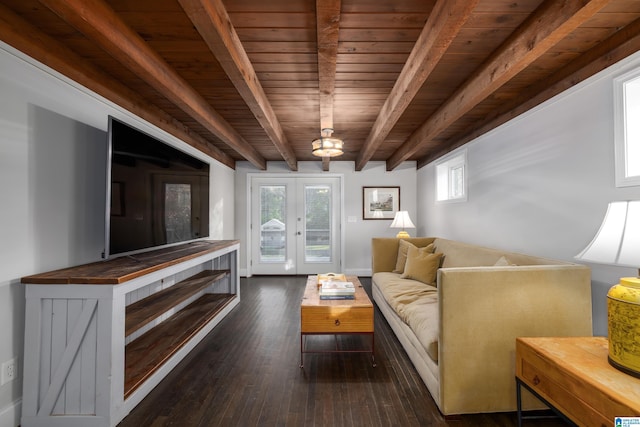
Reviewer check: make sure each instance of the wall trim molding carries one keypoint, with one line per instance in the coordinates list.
(10, 415)
(360, 272)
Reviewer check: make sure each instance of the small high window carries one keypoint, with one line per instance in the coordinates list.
(451, 178)
(627, 128)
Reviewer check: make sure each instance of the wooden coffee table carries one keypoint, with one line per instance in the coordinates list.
(335, 317)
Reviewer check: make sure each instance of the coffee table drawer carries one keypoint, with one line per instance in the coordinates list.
(335, 320)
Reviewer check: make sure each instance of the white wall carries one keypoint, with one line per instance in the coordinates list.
(356, 252)
(52, 189)
(540, 184)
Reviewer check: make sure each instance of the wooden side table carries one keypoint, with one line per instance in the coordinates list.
(573, 376)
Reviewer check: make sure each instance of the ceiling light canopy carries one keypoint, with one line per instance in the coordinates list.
(326, 145)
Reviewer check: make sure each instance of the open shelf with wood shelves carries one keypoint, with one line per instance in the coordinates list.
(100, 337)
(146, 354)
(141, 312)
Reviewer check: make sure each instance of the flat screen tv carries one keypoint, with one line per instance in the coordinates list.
(157, 195)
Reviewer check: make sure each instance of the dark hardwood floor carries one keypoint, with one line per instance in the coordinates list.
(246, 373)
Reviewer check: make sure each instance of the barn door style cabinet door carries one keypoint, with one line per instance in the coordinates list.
(99, 337)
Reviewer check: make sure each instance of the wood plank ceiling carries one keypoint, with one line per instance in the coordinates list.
(258, 80)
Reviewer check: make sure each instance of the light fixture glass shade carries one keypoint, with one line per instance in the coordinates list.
(327, 146)
(618, 239)
(402, 221)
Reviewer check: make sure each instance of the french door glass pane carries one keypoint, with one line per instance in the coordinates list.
(273, 236)
(177, 214)
(317, 239)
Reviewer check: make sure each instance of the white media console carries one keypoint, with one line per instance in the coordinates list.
(99, 337)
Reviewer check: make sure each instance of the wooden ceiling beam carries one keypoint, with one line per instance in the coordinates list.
(50, 52)
(327, 29)
(214, 25)
(97, 21)
(617, 47)
(549, 24)
(442, 26)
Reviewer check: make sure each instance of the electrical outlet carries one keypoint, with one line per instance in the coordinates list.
(9, 371)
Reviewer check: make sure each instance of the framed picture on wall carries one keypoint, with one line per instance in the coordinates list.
(380, 202)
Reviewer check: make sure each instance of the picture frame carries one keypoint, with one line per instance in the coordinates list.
(380, 203)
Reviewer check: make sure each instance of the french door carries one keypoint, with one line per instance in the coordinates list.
(295, 225)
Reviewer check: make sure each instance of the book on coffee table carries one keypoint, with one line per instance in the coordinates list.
(336, 289)
(337, 297)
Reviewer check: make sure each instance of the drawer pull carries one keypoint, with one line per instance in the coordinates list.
(337, 322)
(536, 380)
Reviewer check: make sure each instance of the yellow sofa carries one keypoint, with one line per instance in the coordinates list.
(460, 332)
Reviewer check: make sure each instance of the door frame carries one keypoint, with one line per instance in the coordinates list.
(251, 176)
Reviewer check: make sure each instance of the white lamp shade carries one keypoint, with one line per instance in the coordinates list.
(402, 220)
(618, 240)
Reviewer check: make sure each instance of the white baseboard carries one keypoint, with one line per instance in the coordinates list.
(10, 416)
(362, 272)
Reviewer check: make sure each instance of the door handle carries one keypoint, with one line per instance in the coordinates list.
(299, 233)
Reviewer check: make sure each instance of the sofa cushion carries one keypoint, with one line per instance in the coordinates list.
(401, 260)
(400, 292)
(423, 319)
(422, 265)
(416, 304)
(403, 248)
(384, 251)
(502, 262)
(459, 254)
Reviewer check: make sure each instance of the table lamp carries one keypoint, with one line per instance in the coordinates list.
(618, 242)
(402, 221)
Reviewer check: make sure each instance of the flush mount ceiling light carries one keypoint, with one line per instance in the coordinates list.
(326, 145)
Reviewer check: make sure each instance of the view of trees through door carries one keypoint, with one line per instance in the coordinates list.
(298, 227)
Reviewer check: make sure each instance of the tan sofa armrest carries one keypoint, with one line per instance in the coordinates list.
(483, 310)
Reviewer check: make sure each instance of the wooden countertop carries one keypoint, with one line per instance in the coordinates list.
(119, 270)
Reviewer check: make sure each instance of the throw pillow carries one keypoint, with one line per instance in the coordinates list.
(422, 266)
(403, 247)
(503, 261)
